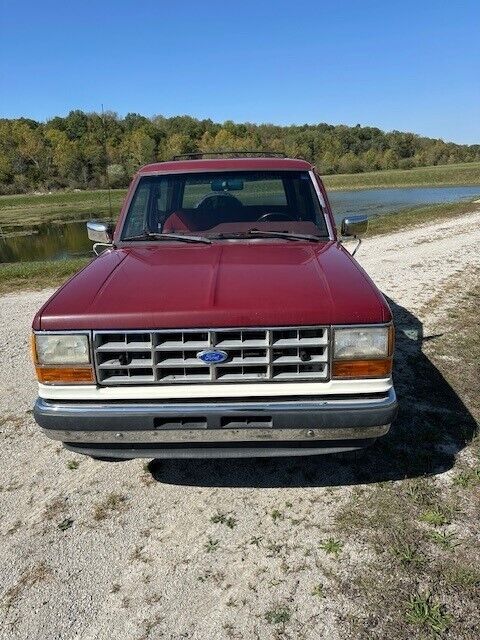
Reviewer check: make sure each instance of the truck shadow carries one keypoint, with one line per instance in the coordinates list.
(432, 426)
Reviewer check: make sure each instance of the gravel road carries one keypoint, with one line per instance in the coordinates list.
(198, 550)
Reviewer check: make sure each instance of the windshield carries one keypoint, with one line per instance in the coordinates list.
(225, 205)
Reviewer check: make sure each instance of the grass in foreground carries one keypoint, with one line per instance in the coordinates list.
(467, 173)
(20, 276)
(408, 218)
(422, 580)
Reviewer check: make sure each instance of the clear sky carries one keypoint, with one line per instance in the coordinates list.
(395, 64)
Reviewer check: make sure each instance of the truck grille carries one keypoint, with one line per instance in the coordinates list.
(170, 357)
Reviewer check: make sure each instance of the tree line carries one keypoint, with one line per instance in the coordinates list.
(81, 149)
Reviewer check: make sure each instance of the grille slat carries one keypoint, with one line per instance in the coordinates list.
(170, 357)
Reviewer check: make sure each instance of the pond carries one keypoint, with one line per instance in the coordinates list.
(57, 241)
(374, 202)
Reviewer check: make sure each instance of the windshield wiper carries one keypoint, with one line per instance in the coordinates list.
(152, 235)
(289, 235)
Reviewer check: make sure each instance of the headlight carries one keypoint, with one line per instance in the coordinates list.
(362, 352)
(362, 342)
(62, 358)
(62, 349)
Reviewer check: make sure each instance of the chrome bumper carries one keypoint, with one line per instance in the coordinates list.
(122, 423)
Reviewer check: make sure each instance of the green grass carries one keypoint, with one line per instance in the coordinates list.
(61, 206)
(331, 546)
(279, 615)
(444, 539)
(407, 218)
(225, 519)
(435, 517)
(18, 276)
(318, 590)
(424, 611)
(440, 175)
(419, 577)
(211, 545)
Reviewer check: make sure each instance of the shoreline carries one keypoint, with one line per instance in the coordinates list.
(431, 185)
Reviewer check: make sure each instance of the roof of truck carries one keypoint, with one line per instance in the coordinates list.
(227, 164)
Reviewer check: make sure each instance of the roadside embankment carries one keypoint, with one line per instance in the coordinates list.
(410, 218)
(467, 173)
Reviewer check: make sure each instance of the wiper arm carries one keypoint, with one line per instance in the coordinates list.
(152, 235)
(285, 234)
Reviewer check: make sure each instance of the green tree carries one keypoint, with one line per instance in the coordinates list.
(389, 160)
(350, 163)
(175, 145)
(138, 149)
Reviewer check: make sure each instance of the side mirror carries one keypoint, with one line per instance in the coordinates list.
(354, 226)
(100, 231)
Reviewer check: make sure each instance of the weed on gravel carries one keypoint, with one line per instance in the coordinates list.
(211, 545)
(114, 502)
(424, 611)
(331, 546)
(28, 579)
(278, 615)
(222, 518)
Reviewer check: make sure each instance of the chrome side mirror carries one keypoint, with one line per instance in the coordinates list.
(354, 226)
(100, 232)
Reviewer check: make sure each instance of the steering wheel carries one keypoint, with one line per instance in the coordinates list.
(274, 215)
(218, 201)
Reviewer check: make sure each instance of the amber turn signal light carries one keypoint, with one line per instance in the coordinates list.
(33, 348)
(362, 368)
(65, 375)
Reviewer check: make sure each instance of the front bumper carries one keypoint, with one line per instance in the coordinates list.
(217, 429)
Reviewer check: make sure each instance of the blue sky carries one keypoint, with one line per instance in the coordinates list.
(403, 65)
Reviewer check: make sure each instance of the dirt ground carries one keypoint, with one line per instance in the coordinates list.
(247, 549)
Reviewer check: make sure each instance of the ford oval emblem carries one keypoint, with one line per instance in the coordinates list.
(212, 356)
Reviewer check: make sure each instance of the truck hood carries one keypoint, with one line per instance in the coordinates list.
(225, 284)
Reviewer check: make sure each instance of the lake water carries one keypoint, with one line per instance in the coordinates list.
(57, 241)
(374, 202)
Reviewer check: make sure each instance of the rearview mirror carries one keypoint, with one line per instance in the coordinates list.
(100, 231)
(232, 184)
(354, 226)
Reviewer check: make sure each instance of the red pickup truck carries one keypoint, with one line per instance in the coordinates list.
(223, 317)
